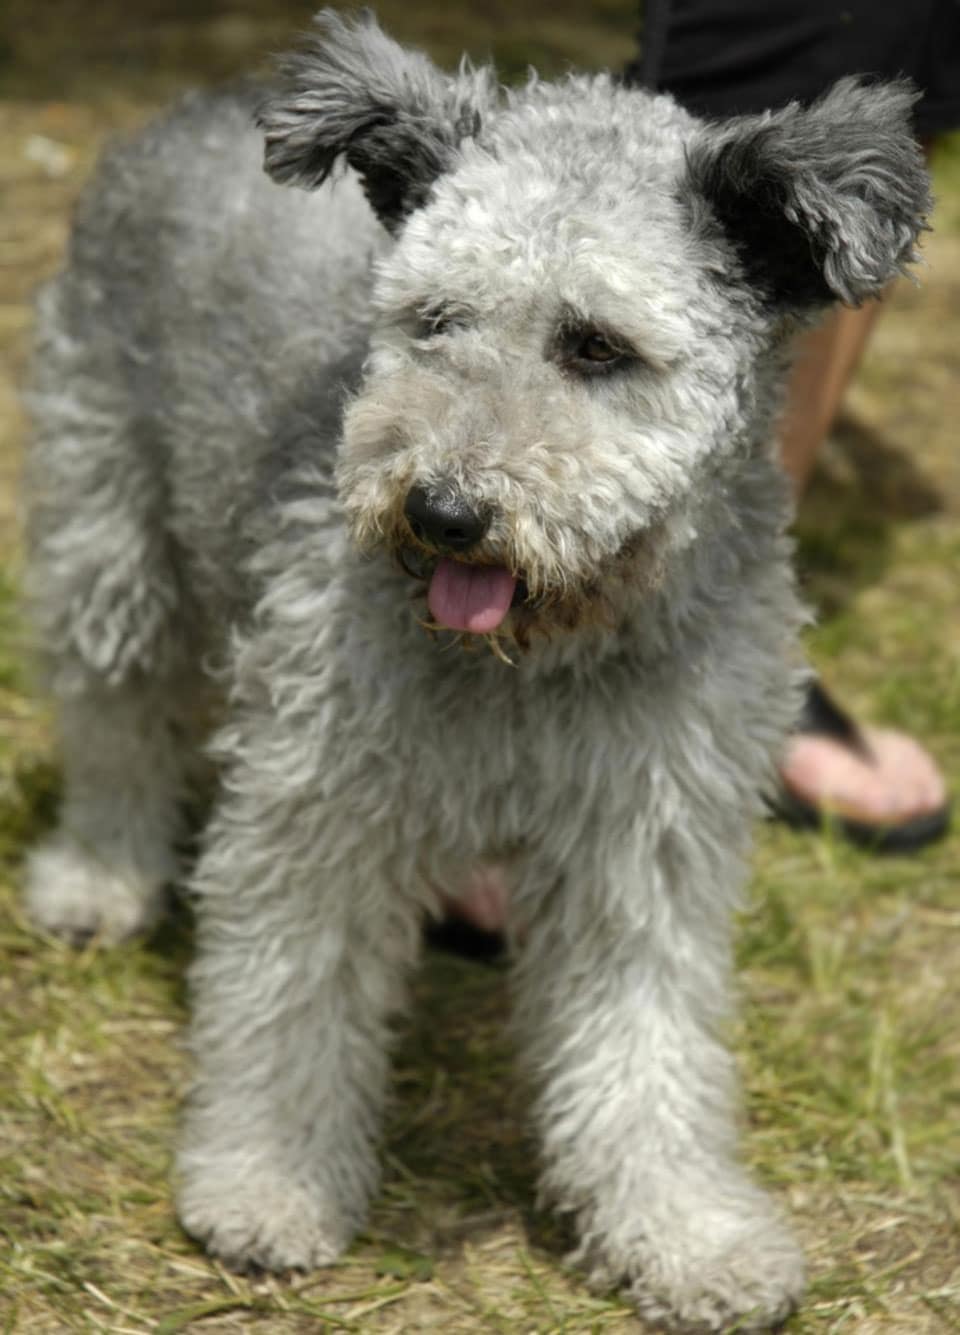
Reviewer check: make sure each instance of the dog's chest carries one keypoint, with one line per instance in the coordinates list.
(493, 754)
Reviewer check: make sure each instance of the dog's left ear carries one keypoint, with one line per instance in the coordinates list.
(822, 203)
(354, 93)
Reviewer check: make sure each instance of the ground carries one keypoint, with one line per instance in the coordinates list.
(850, 1016)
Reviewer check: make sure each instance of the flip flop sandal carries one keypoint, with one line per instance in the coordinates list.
(821, 716)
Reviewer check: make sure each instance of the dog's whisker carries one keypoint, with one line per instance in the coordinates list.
(496, 648)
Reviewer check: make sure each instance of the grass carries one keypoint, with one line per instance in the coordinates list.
(848, 1036)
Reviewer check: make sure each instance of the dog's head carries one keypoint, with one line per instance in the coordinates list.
(579, 329)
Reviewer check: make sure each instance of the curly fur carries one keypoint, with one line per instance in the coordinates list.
(236, 385)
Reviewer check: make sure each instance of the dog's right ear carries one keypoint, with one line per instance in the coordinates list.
(352, 92)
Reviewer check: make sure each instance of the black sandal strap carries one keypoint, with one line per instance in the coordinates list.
(821, 716)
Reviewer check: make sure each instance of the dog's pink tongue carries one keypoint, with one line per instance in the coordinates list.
(474, 598)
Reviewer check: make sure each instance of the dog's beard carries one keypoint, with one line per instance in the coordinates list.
(537, 595)
(530, 611)
(471, 601)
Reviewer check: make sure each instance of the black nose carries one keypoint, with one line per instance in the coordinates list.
(443, 518)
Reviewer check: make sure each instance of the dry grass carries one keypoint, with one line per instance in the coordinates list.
(849, 964)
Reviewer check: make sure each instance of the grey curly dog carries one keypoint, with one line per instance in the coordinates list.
(449, 481)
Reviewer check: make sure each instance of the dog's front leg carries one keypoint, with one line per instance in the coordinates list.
(304, 941)
(623, 985)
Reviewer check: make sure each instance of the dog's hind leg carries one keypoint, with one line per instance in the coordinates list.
(104, 870)
(103, 594)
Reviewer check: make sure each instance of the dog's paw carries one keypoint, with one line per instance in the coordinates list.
(264, 1222)
(754, 1284)
(718, 1271)
(71, 893)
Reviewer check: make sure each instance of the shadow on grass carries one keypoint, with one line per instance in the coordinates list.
(845, 527)
(458, 1141)
(29, 797)
(171, 944)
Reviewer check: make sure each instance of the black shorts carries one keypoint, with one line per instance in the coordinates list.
(721, 57)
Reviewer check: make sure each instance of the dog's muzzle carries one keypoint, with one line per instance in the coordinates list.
(462, 596)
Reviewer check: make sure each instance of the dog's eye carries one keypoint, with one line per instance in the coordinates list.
(595, 348)
(434, 321)
(590, 352)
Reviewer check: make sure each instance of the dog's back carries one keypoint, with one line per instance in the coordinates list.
(210, 311)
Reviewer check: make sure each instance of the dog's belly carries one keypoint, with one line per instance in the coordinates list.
(481, 897)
